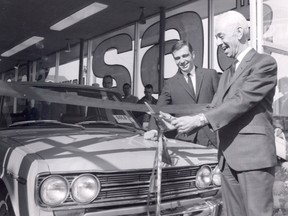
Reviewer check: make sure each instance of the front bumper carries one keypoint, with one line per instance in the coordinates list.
(189, 207)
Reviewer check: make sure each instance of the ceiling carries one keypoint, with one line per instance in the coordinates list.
(20, 20)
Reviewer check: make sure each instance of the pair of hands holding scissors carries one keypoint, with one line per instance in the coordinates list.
(183, 124)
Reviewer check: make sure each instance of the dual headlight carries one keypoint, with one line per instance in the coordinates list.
(206, 177)
(55, 189)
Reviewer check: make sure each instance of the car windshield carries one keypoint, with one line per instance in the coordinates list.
(29, 113)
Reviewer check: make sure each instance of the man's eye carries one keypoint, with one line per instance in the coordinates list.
(176, 58)
(220, 37)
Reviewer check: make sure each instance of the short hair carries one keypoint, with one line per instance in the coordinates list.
(149, 86)
(126, 84)
(181, 43)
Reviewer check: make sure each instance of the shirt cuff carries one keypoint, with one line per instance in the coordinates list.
(203, 119)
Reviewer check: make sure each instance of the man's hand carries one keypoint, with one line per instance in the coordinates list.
(166, 116)
(186, 124)
(164, 121)
(278, 132)
(151, 135)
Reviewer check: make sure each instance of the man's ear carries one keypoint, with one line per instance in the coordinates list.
(240, 33)
(193, 54)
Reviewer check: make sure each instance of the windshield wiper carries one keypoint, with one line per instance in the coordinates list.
(45, 123)
(110, 123)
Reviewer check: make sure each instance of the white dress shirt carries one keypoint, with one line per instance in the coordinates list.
(193, 78)
(241, 56)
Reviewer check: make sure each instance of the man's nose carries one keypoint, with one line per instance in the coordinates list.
(218, 41)
(181, 60)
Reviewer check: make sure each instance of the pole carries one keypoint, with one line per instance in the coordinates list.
(81, 56)
(136, 68)
(159, 171)
(56, 76)
(210, 34)
(161, 49)
(89, 63)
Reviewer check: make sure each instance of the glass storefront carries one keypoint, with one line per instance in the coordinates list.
(275, 34)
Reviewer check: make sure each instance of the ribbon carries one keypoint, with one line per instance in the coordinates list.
(37, 92)
(155, 181)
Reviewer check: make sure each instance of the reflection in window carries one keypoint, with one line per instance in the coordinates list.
(28, 111)
(275, 34)
(281, 103)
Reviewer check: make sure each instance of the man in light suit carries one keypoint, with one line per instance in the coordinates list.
(177, 91)
(241, 113)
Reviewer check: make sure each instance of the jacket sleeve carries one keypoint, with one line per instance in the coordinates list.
(164, 99)
(165, 96)
(254, 85)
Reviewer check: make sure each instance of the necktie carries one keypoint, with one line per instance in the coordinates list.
(233, 67)
(190, 83)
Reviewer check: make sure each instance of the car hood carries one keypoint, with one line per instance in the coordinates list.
(105, 150)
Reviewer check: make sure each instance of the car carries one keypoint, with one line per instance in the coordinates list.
(65, 151)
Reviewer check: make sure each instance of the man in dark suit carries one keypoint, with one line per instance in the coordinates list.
(241, 113)
(190, 85)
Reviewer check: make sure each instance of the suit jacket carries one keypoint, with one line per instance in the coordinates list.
(177, 91)
(242, 114)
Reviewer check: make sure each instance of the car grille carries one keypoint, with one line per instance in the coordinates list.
(130, 188)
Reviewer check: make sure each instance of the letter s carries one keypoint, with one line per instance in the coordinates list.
(122, 43)
(189, 27)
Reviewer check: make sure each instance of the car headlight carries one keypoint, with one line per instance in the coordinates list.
(203, 177)
(54, 190)
(85, 188)
(216, 176)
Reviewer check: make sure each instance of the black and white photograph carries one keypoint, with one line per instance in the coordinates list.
(143, 108)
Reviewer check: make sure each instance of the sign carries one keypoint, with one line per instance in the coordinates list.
(122, 119)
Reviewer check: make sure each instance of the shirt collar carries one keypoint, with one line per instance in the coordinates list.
(243, 54)
(192, 72)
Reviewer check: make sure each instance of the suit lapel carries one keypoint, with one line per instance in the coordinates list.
(241, 68)
(199, 78)
(184, 84)
(222, 87)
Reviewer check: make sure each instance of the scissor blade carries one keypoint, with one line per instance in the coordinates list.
(149, 108)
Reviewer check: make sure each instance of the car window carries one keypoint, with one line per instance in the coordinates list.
(20, 110)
